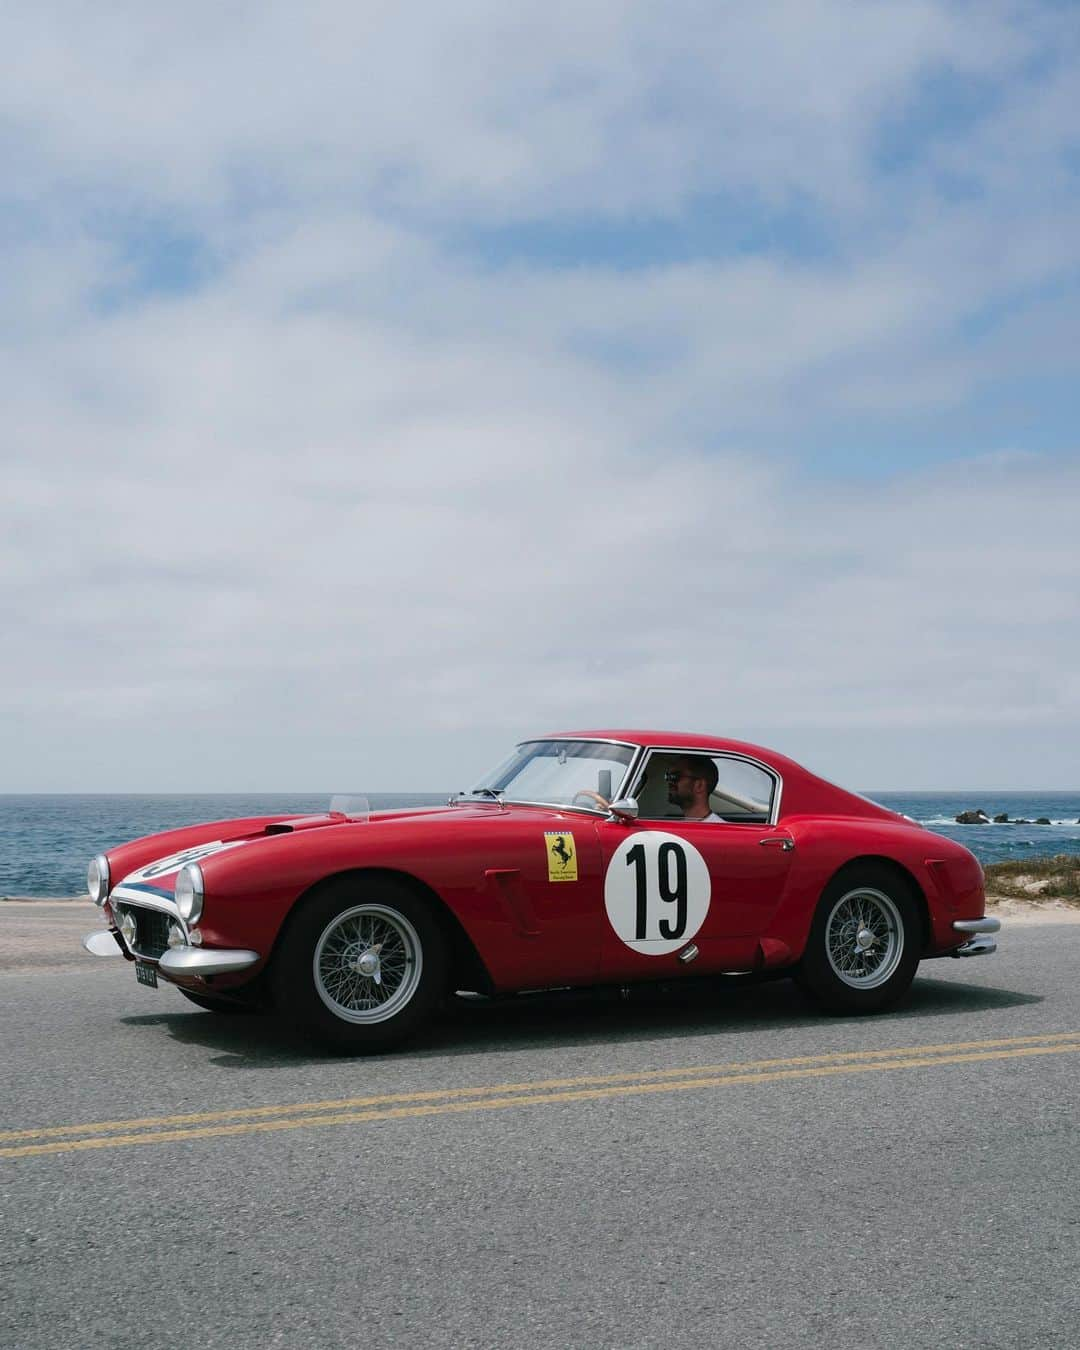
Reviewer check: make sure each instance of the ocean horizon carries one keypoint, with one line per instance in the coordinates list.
(47, 839)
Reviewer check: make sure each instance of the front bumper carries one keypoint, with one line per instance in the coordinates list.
(177, 963)
(980, 943)
(106, 943)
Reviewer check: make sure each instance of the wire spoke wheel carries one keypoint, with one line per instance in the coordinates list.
(864, 938)
(367, 964)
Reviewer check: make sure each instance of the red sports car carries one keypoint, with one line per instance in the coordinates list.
(586, 858)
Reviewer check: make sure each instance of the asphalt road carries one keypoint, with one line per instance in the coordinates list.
(564, 1171)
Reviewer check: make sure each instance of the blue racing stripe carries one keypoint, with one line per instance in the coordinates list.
(142, 886)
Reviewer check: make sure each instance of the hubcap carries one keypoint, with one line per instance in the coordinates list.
(864, 938)
(367, 963)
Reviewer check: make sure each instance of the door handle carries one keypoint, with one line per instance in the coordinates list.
(786, 844)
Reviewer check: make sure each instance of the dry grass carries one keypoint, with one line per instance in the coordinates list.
(1056, 878)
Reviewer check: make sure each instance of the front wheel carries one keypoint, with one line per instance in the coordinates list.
(864, 943)
(361, 965)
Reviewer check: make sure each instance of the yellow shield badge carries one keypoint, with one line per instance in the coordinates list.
(561, 856)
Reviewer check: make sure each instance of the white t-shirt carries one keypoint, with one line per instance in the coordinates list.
(712, 816)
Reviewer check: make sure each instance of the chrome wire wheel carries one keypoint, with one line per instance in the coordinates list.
(367, 964)
(864, 938)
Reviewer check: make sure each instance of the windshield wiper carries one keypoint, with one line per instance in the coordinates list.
(487, 792)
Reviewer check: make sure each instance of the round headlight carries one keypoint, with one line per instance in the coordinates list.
(188, 892)
(97, 879)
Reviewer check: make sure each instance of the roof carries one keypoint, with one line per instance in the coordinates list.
(803, 789)
(680, 740)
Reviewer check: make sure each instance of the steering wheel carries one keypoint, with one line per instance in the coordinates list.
(593, 799)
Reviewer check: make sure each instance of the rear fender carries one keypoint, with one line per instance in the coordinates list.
(807, 883)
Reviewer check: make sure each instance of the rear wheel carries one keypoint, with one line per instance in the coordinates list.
(864, 944)
(361, 966)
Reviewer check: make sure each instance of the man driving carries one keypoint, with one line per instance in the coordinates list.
(690, 780)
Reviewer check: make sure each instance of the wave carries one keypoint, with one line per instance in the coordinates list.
(934, 821)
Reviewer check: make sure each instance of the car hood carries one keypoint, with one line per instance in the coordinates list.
(149, 866)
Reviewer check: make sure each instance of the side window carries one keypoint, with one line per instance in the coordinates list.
(743, 791)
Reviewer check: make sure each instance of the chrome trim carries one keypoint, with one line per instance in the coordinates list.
(624, 809)
(198, 892)
(983, 925)
(104, 877)
(146, 899)
(774, 811)
(161, 904)
(585, 740)
(102, 943)
(636, 746)
(204, 961)
(784, 841)
(978, 946)
(641, 753)
(523, 801)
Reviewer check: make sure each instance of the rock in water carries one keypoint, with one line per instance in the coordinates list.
(973, 818)
(1003, 819)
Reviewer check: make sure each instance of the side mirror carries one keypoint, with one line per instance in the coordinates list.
(625, 809)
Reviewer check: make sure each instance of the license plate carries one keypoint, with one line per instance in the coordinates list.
(146, 975)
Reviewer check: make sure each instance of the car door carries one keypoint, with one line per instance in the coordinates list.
(672, 883)
(532, 897)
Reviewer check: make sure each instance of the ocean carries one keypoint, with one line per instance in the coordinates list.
(47, 840)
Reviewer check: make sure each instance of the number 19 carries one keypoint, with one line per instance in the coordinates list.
(672, 889)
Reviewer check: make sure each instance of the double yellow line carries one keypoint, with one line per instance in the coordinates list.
(500, 1096)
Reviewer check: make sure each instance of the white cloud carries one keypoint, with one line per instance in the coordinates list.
(359, 490)
(317, 522)
(476, 108)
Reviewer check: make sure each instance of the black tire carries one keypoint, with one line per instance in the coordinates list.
(318, 980)
(217, 1005)
(865, 942)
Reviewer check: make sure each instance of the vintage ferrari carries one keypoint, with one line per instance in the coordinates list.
(601, 857)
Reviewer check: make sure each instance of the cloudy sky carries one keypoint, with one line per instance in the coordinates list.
(383, 383)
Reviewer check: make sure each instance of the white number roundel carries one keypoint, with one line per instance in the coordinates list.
(656, 892)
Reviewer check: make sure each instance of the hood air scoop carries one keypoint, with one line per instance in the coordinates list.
(302, 823)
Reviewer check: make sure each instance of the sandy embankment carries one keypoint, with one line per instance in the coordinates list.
(1012, 911)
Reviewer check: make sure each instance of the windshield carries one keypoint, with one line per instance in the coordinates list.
(561, 773)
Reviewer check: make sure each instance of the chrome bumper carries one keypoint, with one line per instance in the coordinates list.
(105, 943)
(182, 961)
(178, 961)
(980, 944)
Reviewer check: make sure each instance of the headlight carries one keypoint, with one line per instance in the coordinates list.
(188, 892)
(129, 929)
(97, 879)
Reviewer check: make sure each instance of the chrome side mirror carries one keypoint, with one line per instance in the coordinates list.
(625, 809)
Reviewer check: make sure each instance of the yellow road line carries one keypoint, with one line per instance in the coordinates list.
(434, 1094)
(554, 1091)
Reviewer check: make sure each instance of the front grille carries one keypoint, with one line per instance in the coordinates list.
(151, 930)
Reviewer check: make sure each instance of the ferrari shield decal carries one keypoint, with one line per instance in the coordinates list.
(561, 856)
